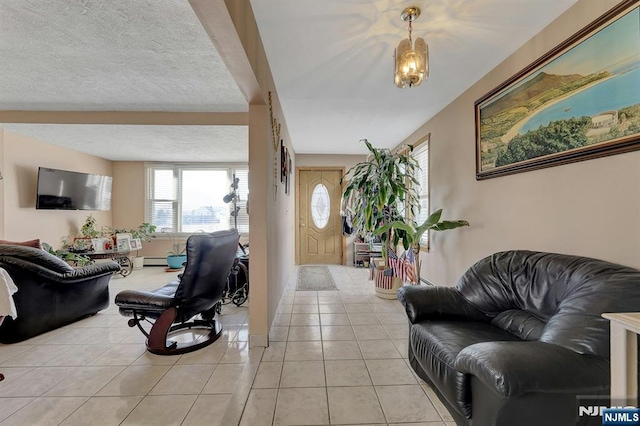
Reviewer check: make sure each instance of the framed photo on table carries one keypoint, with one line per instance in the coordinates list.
(123, 242)
(136, 244)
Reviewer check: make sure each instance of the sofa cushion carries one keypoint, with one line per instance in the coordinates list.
(568, 293)
(521, 323)
(436, 346)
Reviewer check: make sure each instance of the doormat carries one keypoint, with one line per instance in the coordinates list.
(315, 278)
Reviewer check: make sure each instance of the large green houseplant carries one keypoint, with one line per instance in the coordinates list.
(381, 195)
(381, 190)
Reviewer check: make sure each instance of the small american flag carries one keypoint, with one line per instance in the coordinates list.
(394, 263)
(408, 266)
(383, 280)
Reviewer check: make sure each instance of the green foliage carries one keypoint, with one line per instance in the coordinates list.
(178, 248)
(381, 190)
(69, 257)
(557, 137)
(144, 232)
(89, 230)
(413, 232)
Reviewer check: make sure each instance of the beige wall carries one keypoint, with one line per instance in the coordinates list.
(325, 160)
(2, 171)
(21, 158)
(588, 208)
(272, 234)
(128, 204)
(128, 194)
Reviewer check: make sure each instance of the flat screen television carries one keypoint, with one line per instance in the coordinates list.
(65, 190)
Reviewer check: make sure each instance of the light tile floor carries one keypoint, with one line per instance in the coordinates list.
(339, 358)
(97, 371)
(336, 357)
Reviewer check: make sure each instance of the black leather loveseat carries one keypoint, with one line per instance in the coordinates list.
(50, 292)
(519, 337)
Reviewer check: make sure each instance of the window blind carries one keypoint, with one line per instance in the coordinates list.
(191, 198)
(421, 154)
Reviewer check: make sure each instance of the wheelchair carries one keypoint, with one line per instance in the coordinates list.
(237, 288)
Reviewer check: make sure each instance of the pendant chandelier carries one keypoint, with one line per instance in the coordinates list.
(411, 61)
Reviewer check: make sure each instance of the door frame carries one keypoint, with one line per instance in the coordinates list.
(297, 224)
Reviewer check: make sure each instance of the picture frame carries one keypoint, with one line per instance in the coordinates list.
(283, 154)
(123, 242)
(135, 243)
(289, 172)
(577, 102)
(286, 171)
(99, 245)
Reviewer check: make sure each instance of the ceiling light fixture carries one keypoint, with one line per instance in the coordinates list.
(411, 62)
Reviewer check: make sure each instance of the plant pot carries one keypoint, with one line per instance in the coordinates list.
(138, 262)
(384, 289)
(176, 261)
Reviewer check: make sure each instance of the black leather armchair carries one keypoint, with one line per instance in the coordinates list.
(50, 292)
(174, 307)
(520, 337)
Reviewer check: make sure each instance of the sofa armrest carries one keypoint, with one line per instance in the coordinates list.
(92, 271)
(442, 303)
(514, 368)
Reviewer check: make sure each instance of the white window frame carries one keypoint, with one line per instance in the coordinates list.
(424, 192)
(178, 168)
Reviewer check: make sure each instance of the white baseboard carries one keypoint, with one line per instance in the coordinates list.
(155, 261)
(258, 341)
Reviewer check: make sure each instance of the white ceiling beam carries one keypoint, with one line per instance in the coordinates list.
(216, 21)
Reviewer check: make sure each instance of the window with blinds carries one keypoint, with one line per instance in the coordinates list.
(421, 154)
(195, 198)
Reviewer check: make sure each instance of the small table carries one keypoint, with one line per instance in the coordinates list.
(120, 257)
(624, 355)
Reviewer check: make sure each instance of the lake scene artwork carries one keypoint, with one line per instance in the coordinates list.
(583, 99)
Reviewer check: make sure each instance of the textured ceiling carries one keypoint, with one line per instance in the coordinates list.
(145, 143)
(118, 55)
(332, 61)
(110, 55)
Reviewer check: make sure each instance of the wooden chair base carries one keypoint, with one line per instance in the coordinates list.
(164, 330)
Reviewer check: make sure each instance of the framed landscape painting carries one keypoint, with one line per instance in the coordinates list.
(579, 101)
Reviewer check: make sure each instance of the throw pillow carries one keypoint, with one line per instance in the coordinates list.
(31, 243)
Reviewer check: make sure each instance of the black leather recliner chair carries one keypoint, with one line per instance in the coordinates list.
(50, 292)
(520, 337)
(174, 306)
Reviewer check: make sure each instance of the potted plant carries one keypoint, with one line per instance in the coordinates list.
(88, 231)
(144, 233)
(379, 191)
(176, 257)
(381, 194)
(413, 233)
(74, 259)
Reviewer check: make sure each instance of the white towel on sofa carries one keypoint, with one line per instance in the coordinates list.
(7, 288)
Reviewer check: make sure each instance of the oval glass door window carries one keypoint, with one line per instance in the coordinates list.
(320, 204)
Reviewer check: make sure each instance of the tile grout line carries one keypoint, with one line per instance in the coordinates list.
(235, 408)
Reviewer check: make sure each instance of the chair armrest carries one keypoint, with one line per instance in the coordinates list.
(442, 303)
(514, 368)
